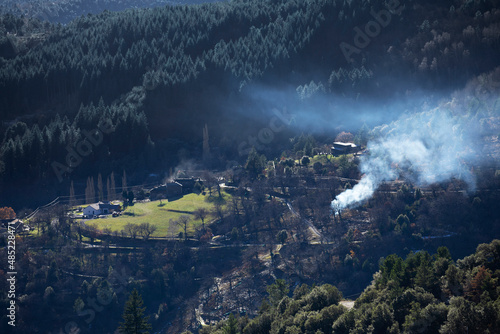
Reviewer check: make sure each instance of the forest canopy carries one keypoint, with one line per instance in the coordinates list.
(161, 74)
(420, 294)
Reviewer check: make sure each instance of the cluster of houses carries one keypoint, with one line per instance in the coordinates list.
(17, 224)
(170, 190)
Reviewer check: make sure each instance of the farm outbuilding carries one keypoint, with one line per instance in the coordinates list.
(340, 148)
(168, 190)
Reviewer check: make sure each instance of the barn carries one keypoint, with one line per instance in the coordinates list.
(340, 148)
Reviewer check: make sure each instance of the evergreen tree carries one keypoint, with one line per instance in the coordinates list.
(231, 326)
(108, 189)
(100, 187)
(72, 200)
(92, 190)
(255, 164)
(89, 191)
(134, 320)
(113, 187)
(52, 273)
(124, 181)
(277, 291)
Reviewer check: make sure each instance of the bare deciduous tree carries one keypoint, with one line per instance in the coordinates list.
(209, 180)
(132, 230)
(201, 213)
(146, 230)
(183, 221)
(218, 211)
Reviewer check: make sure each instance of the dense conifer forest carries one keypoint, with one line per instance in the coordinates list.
(161, 74)
(64, 11)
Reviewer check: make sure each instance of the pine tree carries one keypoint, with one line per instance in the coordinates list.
(425, 276)
(124, 181)
(255, 164)
(108, 189)
(100, 187)
(113, 186)
(90, 191)
(72, 201)
(231, 326)
(134, 320)
(87, 192)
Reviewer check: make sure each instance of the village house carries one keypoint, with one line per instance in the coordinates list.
(187, 183)
(168, 190)
(18, 224)
(174, 189)
(340, 148)
(101, 208)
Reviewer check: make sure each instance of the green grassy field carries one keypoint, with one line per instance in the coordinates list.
(160, 214)
(328, 159)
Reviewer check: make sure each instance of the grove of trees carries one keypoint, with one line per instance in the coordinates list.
(420, 294)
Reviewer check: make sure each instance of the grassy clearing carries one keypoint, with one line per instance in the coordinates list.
(160, 214)
(326, 159)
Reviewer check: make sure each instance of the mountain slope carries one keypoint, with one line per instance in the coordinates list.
(176, 68)
(421, 294)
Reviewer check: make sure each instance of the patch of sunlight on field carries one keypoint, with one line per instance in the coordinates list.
(160, 215)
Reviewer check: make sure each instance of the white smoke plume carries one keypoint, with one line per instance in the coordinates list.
(424, 148)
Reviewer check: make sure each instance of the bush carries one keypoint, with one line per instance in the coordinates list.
(305, 160)
(323, 296)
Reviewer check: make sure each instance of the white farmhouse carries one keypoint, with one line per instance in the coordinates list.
(101, 208)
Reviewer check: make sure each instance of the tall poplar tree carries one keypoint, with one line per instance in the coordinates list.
(113, 186)
(100, 187)
(108, 189)
(124, 181)
(72, 201)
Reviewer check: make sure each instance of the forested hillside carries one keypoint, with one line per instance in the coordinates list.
(159, 75)
(420, 294)
(63, 11)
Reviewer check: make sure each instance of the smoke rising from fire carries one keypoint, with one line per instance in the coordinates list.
(423, 148)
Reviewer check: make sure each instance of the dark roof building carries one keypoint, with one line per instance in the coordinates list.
(167, 190)
(17, 224)
(187, 183)
(174, 189)
(344, 148)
